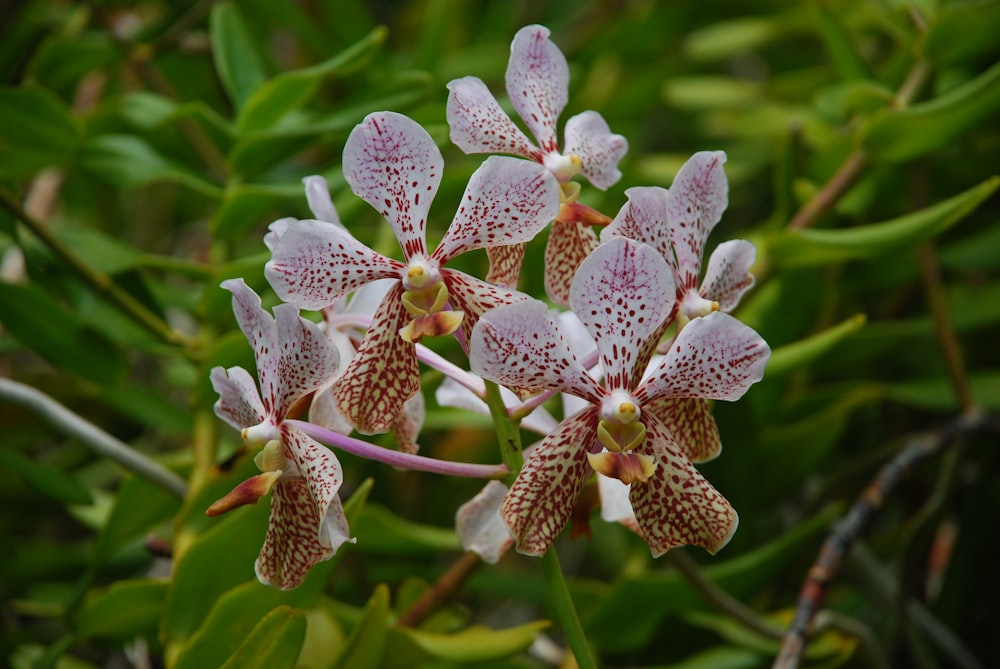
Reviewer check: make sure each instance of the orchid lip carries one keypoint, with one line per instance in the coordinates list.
(260, 434)
(563, 167)
(420, 274)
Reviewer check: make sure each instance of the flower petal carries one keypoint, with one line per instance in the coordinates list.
(543, 496)
(567, 246)
(696, 200)
(475, 297)
(479, 125)
(322, 473)
(520, 345)
(291, 546)
(239, 401)
(644, 219)
(314, 263)
(318, 196)
(689, 421)
(505, 264)
(728, 275)
(588, 136)
(538, 83)
(392, 164)
(306, 358)
(323, 411)
(407, 425)
(713, 357)
(616, 507)
(276, 230)
(450, 393)
(262, 333)
(507, 201)
(479, 527)
(622, 293)
(383, 374)
(677, 506)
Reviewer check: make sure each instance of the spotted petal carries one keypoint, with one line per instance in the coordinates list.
(589, 137)
(479, 125)
(262, 333)
(644, 219)
(408, 423)
(713, 357)
(622, 293)
(239, 401)
(696, 200)
(677, 506)
(319, 468)
(520, 345)
(569, 243)
(384, 372)
(306, 358)
(291, 546)
(505, 264)
(474, 297)
(318, 196)
(392, 164)
(543, 496)
(479, 527)
(507, 201)
(314, 263)
(728, 275)
(616, 506)
(689, 420)
(538, 83)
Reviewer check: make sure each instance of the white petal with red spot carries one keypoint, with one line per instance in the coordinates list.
(261, 332)
(318, 196)
(391, 163)
(538, 83)
(622, 293)
(677, 506)
(479, 125)
(475, 297)
(644, 219)
(728, 274)
(520, 345)
(713, 357)
(542, 498)
(239, 401)
(689, 420)
(589, 137)
(697, 198)
(306, 358)
(479, 527)
(314, 263)
(507, 201)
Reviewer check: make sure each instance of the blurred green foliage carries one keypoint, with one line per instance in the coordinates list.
(154, 141)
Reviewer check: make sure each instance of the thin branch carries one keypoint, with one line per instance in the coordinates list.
(832, 190)
(100, 441)
(96, 279)
(442, 589)
(849, 529)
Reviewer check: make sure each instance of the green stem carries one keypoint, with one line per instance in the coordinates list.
(508, 435)
(565, 610)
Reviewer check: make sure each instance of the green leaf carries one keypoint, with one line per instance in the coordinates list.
(722, 39)
(721, 657)
(243, 208)
(127, 160)
(840, 45)
(45, 478)
(44, 326)
(366, 645)
(124, 610)
(798, 355)
(797, 248)
(474, 644)
(102, 251)
(896, 135)
(704, 92)
(386, 532)
(138, 507)
(289, 90)
(939, 393)
(274, 643)
(961, 32)
(37, 130)
(236, 59)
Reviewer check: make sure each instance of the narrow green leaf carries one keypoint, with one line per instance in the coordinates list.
(139, 506)
(44, 326)
(124, 610)
(721, 657)
(243, 208)
(366, 644)
(37, 130)
(473, 644)
(939, 393)
(799, 354)
(236, 59)
(961, 32)
(386, 532)
(797, 248)
(102, 251)
(274, 643)
(896, 135)
(840, 45)
(127, 160)
(724, 38)
(288, 90)
(45, 478)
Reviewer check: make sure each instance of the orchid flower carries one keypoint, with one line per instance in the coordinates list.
(677, 223)
(394, 165)
(618, 295)
(307, 523)
(538, 86)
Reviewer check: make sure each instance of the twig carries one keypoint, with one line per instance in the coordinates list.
(846, 532)
(100, 441)
(838, 184)
(442, 589)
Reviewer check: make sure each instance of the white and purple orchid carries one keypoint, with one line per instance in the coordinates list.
(294, 358)
(618, 295)
(394, 165)
(537, 82)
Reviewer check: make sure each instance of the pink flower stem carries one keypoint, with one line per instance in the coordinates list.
(397, 459)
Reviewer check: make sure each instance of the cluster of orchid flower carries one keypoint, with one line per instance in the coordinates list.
(644, 346)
